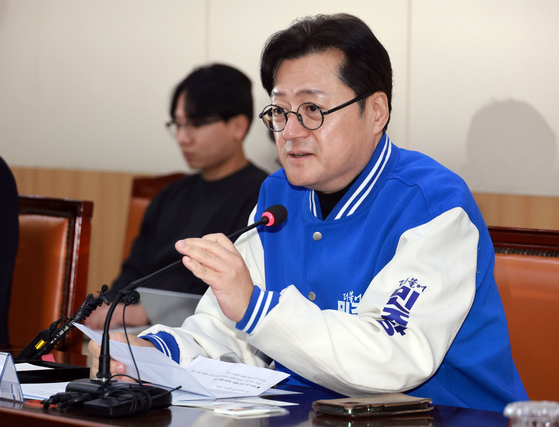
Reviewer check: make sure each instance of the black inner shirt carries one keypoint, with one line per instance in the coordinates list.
(329, 201)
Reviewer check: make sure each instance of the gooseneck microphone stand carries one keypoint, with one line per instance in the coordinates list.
(104, 373)
(273, 216)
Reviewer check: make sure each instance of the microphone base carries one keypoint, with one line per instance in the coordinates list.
(120, 398)
(89, 385)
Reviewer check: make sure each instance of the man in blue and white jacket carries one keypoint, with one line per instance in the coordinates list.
(381, 278)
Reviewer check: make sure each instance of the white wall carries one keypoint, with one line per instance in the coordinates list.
(86, 84)
(484, 91)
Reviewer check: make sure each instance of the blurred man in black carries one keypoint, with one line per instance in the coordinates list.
(211, 112)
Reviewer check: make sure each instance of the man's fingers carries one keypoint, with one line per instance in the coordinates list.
(215, 244)
(94, 348)
(117, 336)
(196, 268)
(220, 239)
(216, 261)
(116, 368)
(203, 255)
(206, 253)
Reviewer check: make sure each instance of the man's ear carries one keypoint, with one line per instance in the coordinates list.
(379, 103)
(239, 125)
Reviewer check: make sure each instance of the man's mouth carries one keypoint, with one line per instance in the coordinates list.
(299, 155)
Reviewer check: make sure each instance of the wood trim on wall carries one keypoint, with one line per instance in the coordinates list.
(110, 193)
(508, 210)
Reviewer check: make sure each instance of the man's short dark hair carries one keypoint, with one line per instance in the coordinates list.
(366, 65)
(214, 91)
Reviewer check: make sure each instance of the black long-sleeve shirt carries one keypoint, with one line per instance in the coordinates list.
(189, 207)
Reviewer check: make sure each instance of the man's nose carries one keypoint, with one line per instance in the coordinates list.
(293, 128)
(184, 136)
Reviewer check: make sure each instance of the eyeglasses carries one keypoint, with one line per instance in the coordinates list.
(310, 115)
(173, 127)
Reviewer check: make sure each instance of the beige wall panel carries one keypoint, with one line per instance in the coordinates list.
(100, 78)
(18, 80)
(483, 85)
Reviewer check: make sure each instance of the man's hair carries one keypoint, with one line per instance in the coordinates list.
(214, 91)
(366, 65)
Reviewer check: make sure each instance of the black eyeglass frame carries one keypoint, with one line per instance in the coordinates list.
(300, 117)
(173, 126)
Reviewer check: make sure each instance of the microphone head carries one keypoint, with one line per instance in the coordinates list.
(276, 214)
(135, 296)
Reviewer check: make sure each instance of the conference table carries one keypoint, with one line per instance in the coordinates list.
(31, 413)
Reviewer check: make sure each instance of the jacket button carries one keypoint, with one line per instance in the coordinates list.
(317, 235)
(312, 296)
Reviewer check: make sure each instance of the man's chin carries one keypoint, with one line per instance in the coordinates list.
(298, 181)
(193, 164)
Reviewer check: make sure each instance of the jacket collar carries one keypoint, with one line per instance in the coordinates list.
(363, 187)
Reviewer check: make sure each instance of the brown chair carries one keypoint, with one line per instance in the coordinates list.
(50, 274)
(527, 275)
(144, 188)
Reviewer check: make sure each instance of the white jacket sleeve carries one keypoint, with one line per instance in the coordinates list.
(354, 354)
(209, 332)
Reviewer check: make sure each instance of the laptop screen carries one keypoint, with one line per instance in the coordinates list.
(167, 307)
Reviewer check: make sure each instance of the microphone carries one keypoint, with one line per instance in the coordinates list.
(273, 216)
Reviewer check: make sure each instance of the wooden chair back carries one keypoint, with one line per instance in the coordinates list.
(527, 275)
(144, 189)
(50, 273)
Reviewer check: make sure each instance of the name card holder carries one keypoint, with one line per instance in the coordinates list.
(10, 388)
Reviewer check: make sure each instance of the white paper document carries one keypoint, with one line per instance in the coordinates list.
(42, 390)
(21, 367)
(203, 376)
(221, 403)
